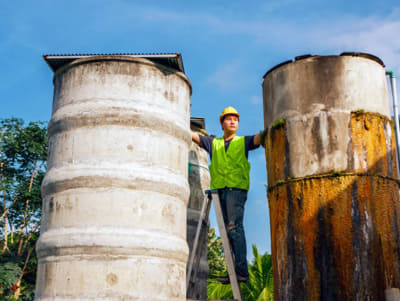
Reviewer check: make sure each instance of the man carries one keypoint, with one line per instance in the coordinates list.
(230, 171)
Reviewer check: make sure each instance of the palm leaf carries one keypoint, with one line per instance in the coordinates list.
(260, 284)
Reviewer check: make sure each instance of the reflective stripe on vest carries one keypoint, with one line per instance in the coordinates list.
(229, 168)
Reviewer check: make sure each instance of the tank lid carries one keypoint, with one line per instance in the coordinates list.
(305, 56)
(170, 60)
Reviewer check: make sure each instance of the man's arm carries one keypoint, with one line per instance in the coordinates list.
(196, 138)
(256, 140)
(204, 142)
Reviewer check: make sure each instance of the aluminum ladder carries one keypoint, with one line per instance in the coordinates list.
(205, 210)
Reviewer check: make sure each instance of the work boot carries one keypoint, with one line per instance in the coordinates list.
(241, 278)
(224, 279)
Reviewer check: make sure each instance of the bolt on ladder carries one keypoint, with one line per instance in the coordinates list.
(213, 195)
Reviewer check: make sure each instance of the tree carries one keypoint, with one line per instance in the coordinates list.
(215, 257)
(260, 284)
(217, 267)
(23, 153)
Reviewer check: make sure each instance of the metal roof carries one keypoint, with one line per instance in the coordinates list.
(170, 60)
(197, 123)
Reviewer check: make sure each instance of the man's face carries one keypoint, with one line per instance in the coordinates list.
(230, 123)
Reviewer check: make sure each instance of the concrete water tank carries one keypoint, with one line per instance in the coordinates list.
(199, 181)
(116, 188)
(332, 183)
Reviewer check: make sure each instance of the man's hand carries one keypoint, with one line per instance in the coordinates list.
(260, 138)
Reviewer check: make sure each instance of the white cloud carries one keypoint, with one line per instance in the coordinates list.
(227, 77)
(375, 36)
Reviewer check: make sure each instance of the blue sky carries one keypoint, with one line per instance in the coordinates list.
(227, 46)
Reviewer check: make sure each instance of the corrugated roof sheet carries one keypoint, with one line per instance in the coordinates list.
(197, 123)
(170, 60)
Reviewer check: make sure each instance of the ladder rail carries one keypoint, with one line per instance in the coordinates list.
(205, 209)
(237, 293)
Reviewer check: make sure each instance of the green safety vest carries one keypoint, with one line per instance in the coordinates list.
(229, 168)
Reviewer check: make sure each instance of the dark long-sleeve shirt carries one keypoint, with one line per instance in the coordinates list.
(207, 141)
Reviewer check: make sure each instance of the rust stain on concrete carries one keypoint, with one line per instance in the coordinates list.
(335, 236)
(372, 144)
(276, 146)
(112, 279)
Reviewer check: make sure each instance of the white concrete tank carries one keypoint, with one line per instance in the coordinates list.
(116, 189)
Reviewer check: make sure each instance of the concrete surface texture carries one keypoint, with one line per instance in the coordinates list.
(332, 182)
(315, 96)
(199, 181)
(116, 189)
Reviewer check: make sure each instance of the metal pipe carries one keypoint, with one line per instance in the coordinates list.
(394, 293)
(396, 115)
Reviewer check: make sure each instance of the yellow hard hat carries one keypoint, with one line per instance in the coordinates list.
(228, 111)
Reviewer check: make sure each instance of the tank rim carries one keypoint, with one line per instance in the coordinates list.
(277, 66)
(120, 58)
(364, 55)
(307, 56)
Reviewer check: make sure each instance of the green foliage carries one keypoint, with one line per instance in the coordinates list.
(218, 291)
(261, 281)
(9, 273)
(260, 284)
(23, 154)
(215, 257)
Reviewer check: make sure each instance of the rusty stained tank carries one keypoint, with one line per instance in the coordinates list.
(333, 189)
(116, 188)
(199, 182)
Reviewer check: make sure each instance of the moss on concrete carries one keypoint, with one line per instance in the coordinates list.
(279, 123)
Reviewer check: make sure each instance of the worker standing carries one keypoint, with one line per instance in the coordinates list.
(230, 175)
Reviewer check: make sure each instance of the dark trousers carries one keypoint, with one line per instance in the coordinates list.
(232, 205)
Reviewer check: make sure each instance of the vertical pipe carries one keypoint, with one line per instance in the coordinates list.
(116, 188)
(396, 114)
(333, 189)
